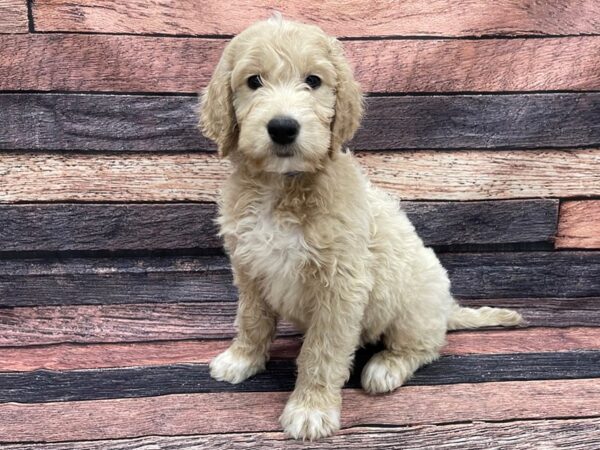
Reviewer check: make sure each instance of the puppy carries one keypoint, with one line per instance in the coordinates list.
(310, 240)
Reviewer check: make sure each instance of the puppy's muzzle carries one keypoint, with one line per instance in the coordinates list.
(283, 131)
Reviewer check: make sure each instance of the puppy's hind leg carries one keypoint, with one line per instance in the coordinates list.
(406, 349)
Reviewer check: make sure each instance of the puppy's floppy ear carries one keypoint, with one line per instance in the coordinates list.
(217, 116)
(349, 100)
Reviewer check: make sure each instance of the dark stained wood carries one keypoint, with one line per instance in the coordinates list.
(526, 274)
(251, 412)
(151, 64)
(95, 356)
(512, 221)
(196, 279)
(51, 386)
(114, 280)
(574, 434)
(341, 18)
(154, 123)
(130, 280)
(579, 224)
(13, 16)
(420, 175)
(53, 227)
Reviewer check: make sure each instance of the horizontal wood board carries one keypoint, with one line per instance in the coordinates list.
(82, 122)
(123, 63)
(172, 279)
(421, 175)
(341, 18)
(574, 434)
(186, 414)
(579, 225)
(97, 356)
(13, 16)
(170, 226)
(85, 324)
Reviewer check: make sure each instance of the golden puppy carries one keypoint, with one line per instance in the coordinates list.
(310, 240)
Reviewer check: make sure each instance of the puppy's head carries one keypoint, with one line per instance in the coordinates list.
(282, 98)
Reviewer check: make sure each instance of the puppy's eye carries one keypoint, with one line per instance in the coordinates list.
(313, 81)
(254, 82)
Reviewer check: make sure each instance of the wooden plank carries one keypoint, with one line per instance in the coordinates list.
(151, 322)
(13, 16)
(579, 225)
(54, 227)
(99, 384)
(340, 18)
(532, 274)
(95, 356)
(574, 434)
(422, 175)
(250, 412)
(173, 279)
(158, 123)
(151, 64)
(119, 323)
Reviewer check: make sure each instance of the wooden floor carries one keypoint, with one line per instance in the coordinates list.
(114, 291)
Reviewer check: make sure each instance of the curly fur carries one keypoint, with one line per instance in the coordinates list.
(309, 238)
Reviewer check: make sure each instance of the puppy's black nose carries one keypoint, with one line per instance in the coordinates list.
(283, 130)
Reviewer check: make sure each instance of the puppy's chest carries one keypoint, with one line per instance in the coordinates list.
(271, 247)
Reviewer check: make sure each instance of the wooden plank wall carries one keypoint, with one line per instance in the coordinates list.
(482, 117)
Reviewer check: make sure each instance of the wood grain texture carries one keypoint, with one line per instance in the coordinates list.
(150, 64)
(421, 175)
(54, 227)
(95, 356)
(574, 434)
(59, 227)
(341, 18)
(150, 322)
(119, 323)
(13, 16)
(251, 412)
(77, 385)
(175, 279)
(579, 225)
(157, 123)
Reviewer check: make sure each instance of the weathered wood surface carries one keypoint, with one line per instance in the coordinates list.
(341, 18)
(151, 322)
(579, 225)
(151, 64)
(76, 385)
(251, 412)
(157, 123)
(13, 16)
(54, 227)
(123, 280)
(574, 434)
(96, 356)
(421, 175)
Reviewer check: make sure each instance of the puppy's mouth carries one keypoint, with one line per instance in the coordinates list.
(284, 151)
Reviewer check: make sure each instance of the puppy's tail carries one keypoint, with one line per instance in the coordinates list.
(462, 318)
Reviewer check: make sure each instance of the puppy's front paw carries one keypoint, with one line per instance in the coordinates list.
(308, 423)
(233, 367)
